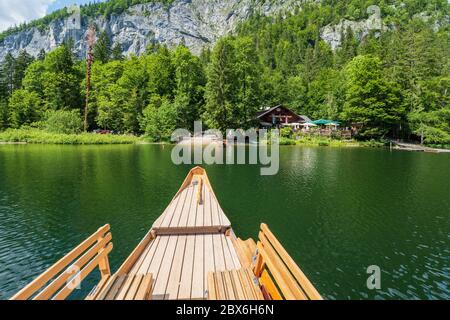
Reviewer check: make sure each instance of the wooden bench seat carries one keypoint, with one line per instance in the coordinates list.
(240, 284)
(124, 287)
(278, 274)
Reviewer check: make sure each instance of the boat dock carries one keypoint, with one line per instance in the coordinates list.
(416, 148)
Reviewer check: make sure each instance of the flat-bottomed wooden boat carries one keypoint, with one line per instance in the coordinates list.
(190, 253)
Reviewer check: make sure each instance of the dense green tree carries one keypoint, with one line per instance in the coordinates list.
(221, 86)
(116, 52)
(161, 72)
(7, 74)
(25, 108)
(107, 96)
(133, 92)
(63, 121)
(61, 80)
(247, 71)
(22, 62)
(370, 99)
(102, 48)
(189, 87)
(41, 55)
(159, 119)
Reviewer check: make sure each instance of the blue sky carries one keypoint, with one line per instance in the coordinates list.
(14, 12)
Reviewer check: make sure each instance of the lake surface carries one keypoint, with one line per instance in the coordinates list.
(337, 211)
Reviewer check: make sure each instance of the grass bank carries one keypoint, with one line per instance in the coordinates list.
(329, 142)
(37, 136)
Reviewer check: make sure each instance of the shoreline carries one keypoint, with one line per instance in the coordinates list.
(40, 137)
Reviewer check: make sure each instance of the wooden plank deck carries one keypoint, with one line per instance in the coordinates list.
(190, 213)
(180, 264)
(191, 240)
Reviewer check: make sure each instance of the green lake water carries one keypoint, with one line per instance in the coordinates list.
(337, 211)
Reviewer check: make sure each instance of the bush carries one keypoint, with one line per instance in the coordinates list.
(24, 108)
(62, 121)
(37, 136)
(286, 132)
(287, 142)
(159, 120)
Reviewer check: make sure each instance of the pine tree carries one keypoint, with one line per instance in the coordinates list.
(22, 62)
(8, 67)
(370, 99)
(221, 85)
(116, 52)
(41, 55)
(102, 49)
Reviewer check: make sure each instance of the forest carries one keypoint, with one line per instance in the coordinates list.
(394, 82)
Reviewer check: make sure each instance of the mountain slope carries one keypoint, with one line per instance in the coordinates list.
(195, 22)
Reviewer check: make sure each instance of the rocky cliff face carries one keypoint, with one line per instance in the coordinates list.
(195, 22)
(333, 34)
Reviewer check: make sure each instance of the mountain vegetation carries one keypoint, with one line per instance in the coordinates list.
(394, 82)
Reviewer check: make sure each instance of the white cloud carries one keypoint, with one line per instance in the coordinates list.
(18, 11)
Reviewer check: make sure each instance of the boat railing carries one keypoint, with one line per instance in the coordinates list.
(279, 275)
(66, 275)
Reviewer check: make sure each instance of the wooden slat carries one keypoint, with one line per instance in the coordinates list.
(219, 260)
(270, 286)
(68, 288)
(246, 285)
(198, 283)
(229, 264)
(186, 209)
(158, 256)
(137, 265)
(189, 230)
(228, 285)
(241, 250)
(98, 288)
(144, 290)
(143, 268)
(125, 287)
(214, 212)
(178, 210)
(41, 280)
(281, 267)
(223, 217)
(175, 272)
(306, 285)
(239, 290)
(112, 293)
(279, 274)
(253, 284)
(184, 293)
(233, 252)
(207, 207)
(160, 283)
(77, 265)
(199, 190)
(168, 214)
(135, 284)
(212, 295)
(200, 220)
(136, 256)
(251, 245)
(192, 215)
(102, 294)
(208, 254)
(220, 287)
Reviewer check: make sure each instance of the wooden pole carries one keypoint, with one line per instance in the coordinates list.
(90, 39)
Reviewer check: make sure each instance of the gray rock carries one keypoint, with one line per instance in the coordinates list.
(197, 23)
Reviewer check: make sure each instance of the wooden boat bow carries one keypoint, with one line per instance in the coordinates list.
(191, 252)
